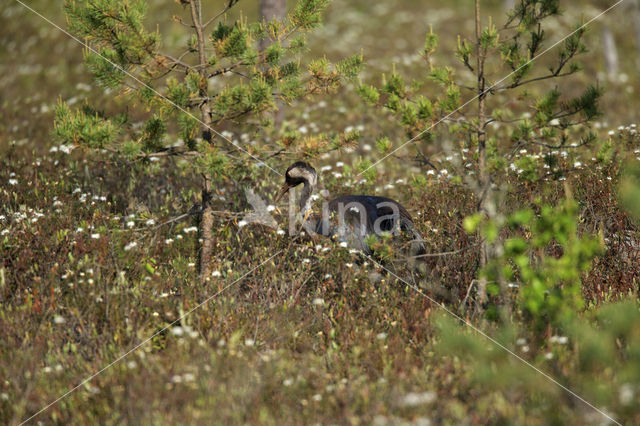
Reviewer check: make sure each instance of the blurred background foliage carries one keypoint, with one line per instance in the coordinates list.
(90, 267)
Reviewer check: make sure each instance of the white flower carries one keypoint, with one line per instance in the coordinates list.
(131, 245)
(343, 244)
(168, 241)
(242, 223)
(318, 301)
(4, 232)
(339, 164)
(177, 331)
(58, 319)
(381, 336)
(612, 132)
(412, 399)
(95, 236)
(215, 274)
(625, 393)
(317, 397)
(271, 208)
(249, 342)
(287, 382)
(131, 224)
(13, 182)
(431, 172)
(561, 340)
(280, 231)
(577, 164)
(191, 265)
(150, 222)
(65, 149)
(190, 229)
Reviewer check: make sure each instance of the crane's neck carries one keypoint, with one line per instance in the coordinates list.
(305, 197)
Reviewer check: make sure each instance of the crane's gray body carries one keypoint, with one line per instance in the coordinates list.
(352, 218)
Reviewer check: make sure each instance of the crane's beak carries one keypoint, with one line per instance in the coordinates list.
(285, 188)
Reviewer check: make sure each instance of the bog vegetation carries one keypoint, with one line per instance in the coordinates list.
(122, 198)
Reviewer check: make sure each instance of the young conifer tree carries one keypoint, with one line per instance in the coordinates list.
(505, 115)
(227, 72)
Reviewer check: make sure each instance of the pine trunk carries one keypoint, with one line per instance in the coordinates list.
(273, 9)
(206, 222)
(483, 178)
(635, 18)
(610, 53)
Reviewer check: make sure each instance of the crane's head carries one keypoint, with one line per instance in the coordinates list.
(298, 173)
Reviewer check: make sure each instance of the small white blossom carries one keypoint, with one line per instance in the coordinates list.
(561, 340)
(242, 223)
(13, 182)
(58, 319)
(131, 245)
(626, 394)
(95, 236)
(412, 399)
